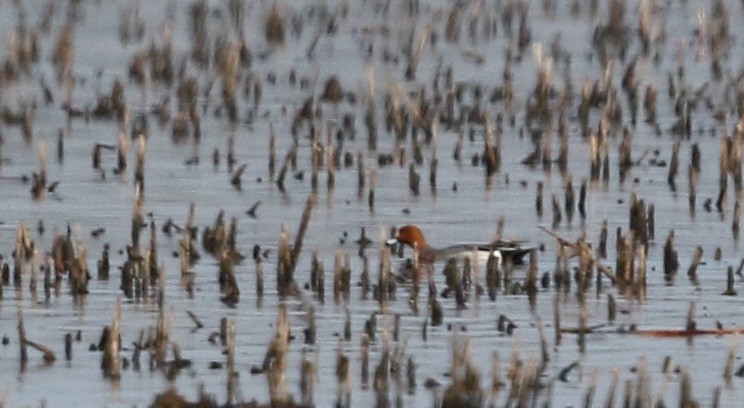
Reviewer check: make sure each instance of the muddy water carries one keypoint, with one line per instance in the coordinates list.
(464, 207)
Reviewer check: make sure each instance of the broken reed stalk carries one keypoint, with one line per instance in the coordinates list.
(68, 346)
(673, 167)
(39, 182)
(686, 333)
(639, 220)
(79, 271)
(111, 361)
(492, 151)
(539, 199)
(23, 248)
(691, 322)
(531, 280)
(361, 175)
(288, 159)
(370, 117)
(569, 199)
(371, 191)
(671, 260)
(308, 378)
(437, 315)
(311, 329)
(493, 276)
(696, 260)
(557, 216)
(343, 379)
(186, 250)
(651, 221)
(275, 361)
(734, 160)
(274, 26)
(544, 350)
(342, 276)
(284, 263)
(259, 272)
(381, 380)
(730, 281)
(236, 177)
(138, 218)
(605, 160)
(457, 153)
(624, 259)
(60, 146)
(728, 369)
(547, 150)
(580, 247)
(300, 237)
(602, 248)
(163, 327)
(557, 319)
(723, 173)
(583, 319)
(139, 169)
(34, 272)
(383, 275)
(625, 160)
(122, 152)
(231, 379)
(735, 229)
(22, 341)
(595, 156)
(563, 148)
(347, 325)
(433, 175)
(611, 309)
(194, 318)
(649, 103)
(272, 151)
(364, 352)
(228, 282)
(640, 275)
(589, 397)
(49, 356)
(321, 283)
(154, 268)
(414, 179)
(145, 277)
(561, 274)
(496, 382)
(315, 269)
(416, 55)
(685, 390)
(47, 278)
(316, 158)
(331, 162)
(582, 200)
(692, 181)
(453, 27)
(411, 375)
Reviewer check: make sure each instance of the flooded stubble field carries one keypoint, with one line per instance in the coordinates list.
(196, 199)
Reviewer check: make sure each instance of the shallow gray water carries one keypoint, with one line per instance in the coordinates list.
(87, 201)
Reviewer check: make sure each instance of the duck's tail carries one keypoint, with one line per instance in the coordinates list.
(516, 254)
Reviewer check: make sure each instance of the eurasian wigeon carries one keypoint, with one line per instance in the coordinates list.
(412, 236)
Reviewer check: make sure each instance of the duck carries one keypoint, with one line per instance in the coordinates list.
(412, 236)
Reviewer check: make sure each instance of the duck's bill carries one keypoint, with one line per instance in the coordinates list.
(391, 242)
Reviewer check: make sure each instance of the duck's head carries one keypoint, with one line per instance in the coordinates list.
(409, 235)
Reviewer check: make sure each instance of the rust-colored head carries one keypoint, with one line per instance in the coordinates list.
(412, 236)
